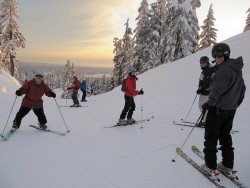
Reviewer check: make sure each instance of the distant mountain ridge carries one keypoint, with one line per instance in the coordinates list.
(24, 66)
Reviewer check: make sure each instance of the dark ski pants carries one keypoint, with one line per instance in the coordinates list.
(218, 126)
(129, 108)
(23, 111)
(83, 95)
(74, 98)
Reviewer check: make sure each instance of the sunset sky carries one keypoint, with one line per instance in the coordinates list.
(83, 30)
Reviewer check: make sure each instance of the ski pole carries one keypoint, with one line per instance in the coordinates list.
(200, 117)
(62, 116)
(9, 116)
(141, 108)
(189, 110)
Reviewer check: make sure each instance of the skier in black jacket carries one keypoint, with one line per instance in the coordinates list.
(204, 84)
(226, 94)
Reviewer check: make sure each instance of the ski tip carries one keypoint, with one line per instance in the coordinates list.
(194, 147)
(178, 150)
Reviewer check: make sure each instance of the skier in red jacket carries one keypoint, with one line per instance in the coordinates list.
(33, 90)
(130, 93)
(75, 86)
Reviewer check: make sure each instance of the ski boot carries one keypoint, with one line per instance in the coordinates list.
(228, 171)
(14, 127)
(130, 121)
(122, 122)
(74, 105)
(213, 173)
(42, 126)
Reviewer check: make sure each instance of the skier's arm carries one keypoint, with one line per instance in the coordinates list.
(130, 88)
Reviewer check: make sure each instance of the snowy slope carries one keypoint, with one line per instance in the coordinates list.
(135, 157)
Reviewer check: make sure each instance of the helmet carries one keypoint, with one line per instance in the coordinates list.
(39, 75)
(221, 50)
(204, 59)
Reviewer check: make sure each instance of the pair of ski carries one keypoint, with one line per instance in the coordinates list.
(192, 124)
(215, 180)
(136, 122)
(9, 134)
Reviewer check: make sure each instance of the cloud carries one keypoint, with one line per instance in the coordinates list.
(100, 21)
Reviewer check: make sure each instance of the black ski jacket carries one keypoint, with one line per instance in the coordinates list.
(227, 85)
(205, 80)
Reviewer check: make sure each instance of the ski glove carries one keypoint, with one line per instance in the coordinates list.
(206, 106)
(141, 92)
(18, 93)
(52, 94)
(68, 88)
(198, 92)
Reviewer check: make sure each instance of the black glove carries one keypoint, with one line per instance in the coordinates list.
(206, 106)
(68, 88)
(240, 101)
(18, 93)
(141, 92)
(198, 91)
(52, 94)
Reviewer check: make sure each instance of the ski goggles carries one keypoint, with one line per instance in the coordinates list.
(218, 54)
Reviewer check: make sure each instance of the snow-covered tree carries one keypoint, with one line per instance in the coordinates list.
(183, 30)
(123, 59)
(247, 27)
(158, 29)
(142, 32)
(68, 74)
(208, 35)
(118, 59)
(10, 36)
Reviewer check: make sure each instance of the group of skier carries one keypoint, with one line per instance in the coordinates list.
(221, 89)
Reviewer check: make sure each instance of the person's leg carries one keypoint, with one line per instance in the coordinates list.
(23, 111)
(83, 95)
(126, 107)
(213, 123)
(202, 100)
(131, 109)
(40, 116)
(226, 140)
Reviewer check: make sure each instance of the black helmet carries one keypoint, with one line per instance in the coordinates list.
(221, 50)
(204, 59)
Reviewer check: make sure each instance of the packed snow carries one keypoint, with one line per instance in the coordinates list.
(138, 156)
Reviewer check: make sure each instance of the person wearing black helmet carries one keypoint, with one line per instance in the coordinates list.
(226, 94)
(204, 84)
(129, 93)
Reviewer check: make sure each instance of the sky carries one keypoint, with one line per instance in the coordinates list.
(82, 31)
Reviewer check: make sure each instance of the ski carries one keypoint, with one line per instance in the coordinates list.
(215, 181)
(7, 136)
(194, 125)
(234, 179)
(136, 122)
(48, 130)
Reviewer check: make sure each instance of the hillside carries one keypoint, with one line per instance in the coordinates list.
(124, 157)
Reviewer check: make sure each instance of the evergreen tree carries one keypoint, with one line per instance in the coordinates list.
(157, 34)
(142, 31)
(10, 36)
(68, 74)
(247, 27)
(123, 59)
(208, 34)
(182, 31)
(118, 59)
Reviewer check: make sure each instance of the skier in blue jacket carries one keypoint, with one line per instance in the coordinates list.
(84, 90)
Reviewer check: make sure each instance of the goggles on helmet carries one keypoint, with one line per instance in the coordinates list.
(218, 54)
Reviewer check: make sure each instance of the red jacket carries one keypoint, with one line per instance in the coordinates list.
(33, 94)
(131, 86)
(75, 86)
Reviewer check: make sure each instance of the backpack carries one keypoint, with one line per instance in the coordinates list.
(123, 88)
